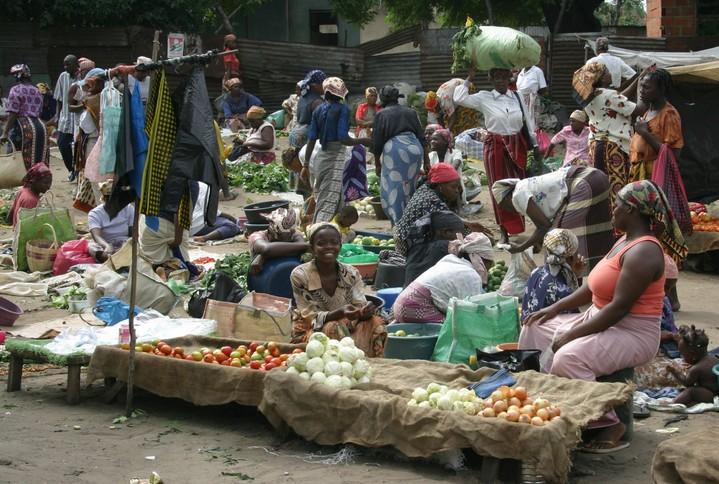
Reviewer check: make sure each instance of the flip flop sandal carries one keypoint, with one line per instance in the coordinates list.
(615, 447)
(640, 411)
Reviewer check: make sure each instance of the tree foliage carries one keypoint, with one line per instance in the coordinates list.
(631, 12)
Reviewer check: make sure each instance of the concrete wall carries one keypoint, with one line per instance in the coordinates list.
(379, 28)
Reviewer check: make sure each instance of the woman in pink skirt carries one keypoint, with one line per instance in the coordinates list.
(621, 328)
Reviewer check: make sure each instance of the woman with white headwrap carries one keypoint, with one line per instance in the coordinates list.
(558, 277)
(461, 274)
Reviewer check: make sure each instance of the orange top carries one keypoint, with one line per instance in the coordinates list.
(603, 282)
(665, 125)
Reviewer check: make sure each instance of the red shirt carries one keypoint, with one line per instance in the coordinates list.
(232, 63)
(25, 198)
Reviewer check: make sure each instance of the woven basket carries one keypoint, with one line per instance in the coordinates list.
(41, 253)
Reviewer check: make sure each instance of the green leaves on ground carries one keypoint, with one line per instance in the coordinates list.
(235, 266)
(259, 178)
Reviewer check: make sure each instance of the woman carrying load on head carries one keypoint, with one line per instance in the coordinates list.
(510, 137)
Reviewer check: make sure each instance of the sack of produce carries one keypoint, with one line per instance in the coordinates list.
(493, 48)
(520, 268)
(481, 321)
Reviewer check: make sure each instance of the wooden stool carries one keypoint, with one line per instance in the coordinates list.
(73, 362)
(625, 411)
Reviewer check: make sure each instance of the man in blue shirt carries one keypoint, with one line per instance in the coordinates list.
(236, 104)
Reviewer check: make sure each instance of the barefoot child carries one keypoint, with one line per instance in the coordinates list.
(701, 384)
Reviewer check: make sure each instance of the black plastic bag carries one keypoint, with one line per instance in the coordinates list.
(512, 360)
(225, 289)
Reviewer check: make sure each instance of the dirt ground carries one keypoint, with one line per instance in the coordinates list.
(44, 440)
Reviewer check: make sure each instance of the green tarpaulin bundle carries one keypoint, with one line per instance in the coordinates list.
(490, 47)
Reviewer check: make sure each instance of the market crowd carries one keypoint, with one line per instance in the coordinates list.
(610, 238)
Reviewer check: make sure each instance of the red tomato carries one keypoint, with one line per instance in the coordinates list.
(221, 357)
(275, 352)
(208, 358)
(204, 351)
(276, 361)
(268, 358)
(189, 358)
(255, 365)
(236, 362)
(253, 346)
(271, 345)
(284, 356)
(298, 350)
(226, 350)
(165, 348)
(225, 362)
(260, 349)
(270, 366)
(178, 351)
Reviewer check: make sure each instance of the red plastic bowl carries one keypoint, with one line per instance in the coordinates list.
(9, 312)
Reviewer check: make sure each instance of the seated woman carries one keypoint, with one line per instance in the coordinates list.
(236, 104)
(460, 274)
(573, 198)
(108, 233)
(275, 253)
(36, 182)
(330, 297)
(260, 143)
(441, 193)
(625, 289)
(557, 278)
(225, 225)
(429, 249)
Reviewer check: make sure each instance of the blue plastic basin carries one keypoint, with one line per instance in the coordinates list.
(389, 296)
(412, 347)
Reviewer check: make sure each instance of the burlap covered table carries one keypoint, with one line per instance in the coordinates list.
(377, 415)
(692, 458)
(700, 242)
(192, 381)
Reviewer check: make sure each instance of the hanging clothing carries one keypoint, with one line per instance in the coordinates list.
(196, 155)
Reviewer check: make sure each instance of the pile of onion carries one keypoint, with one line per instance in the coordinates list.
(515, 405)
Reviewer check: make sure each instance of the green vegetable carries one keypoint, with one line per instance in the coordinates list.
(60, 302)
(235, 266)
(258, 178)
(373, 183)
(76, 294)
(460, 56)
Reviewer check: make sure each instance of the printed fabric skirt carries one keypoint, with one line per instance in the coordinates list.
(329, 169)
(414, 305)
(30, 137)
(609, 157)
(401, 163)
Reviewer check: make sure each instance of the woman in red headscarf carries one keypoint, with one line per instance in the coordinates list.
(441, 193)
(37, 181)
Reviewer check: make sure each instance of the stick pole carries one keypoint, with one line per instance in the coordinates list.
(133, 277)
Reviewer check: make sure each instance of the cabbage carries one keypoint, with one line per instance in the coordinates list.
(334, 381)
(318, 377)
(315, 348)
(359, 353)
(467, 395)
(412, 403)
(332, 368)
(346, 369)
(348, 354)
(433, 388)
(444, 403)
(471, 408)
(458, 406)
(333, 344)
(298, 361)
(304, 375)
(420, 394)
(348, 342)
(292, 371)
(346, 383)
(330, 355)
(315, 365)
(321, 337)
(424, 404)
(453, 395)
(364, 380)
(361, 368)
(443, 389)
(353, 381)
(434, 398)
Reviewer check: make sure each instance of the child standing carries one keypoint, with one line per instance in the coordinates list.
(700, 382)
(576, 137)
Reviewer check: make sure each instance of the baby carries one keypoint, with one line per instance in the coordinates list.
(344, 221)
(700, 382)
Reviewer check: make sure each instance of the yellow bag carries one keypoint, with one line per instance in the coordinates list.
(257, 316)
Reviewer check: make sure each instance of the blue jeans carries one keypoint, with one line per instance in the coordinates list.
(64, 143)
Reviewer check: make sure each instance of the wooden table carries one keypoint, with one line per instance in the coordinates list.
(73, 363)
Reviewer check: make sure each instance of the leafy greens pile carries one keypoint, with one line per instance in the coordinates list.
(258, 178)
(235, 266)
(460, 56)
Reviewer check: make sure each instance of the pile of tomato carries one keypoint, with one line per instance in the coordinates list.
(701, 220)
(256, 355)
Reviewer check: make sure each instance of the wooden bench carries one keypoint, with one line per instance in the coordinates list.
(20, 351)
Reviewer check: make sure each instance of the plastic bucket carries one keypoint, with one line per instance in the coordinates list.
(715, 370)
(389, 276)
(389, 295)
(412, 347)
(9, 312)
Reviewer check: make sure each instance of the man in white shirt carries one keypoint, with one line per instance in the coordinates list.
(618, 69)
(65, 118)
(531, 84)
(511, 134)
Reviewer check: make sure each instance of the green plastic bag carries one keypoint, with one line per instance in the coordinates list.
(356, 254)
(31, 225)
(502, 48)
(475, 323)
(277, 119)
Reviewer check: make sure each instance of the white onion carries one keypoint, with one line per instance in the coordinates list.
(330, 355)
(433, 388)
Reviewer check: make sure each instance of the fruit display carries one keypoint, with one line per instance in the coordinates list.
(255, 356)
(702, 221)
(374, 241)
(364, 207)
(495, 275)
(400, 333)
(510, 404)
(337, 364)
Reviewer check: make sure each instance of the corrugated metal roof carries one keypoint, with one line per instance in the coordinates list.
(395, 39)
(381, 70)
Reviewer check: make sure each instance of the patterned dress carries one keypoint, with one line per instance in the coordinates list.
(29, 134)
(314, 305)
(543, 290)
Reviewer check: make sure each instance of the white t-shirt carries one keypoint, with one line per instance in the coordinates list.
(198, 212)
(616, 66)
(530, 81)
(114, 231)
(502, 112)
